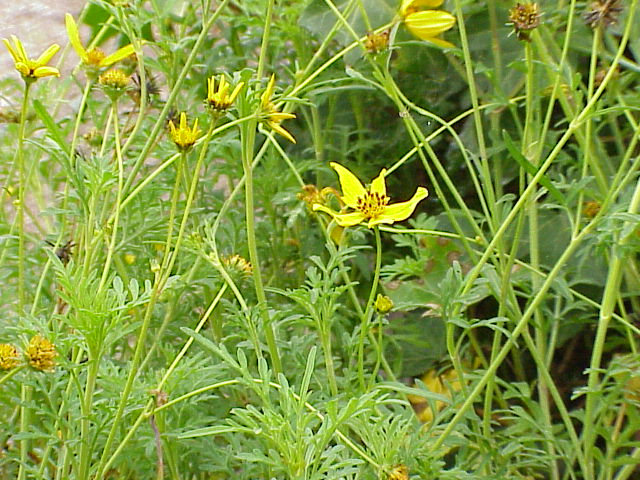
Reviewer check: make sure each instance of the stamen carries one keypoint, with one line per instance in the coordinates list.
(372, 204)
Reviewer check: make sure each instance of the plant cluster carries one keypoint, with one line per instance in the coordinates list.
(200, 283)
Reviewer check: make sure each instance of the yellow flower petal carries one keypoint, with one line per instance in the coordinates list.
(429, 23)
(397, 212)
(46, 72)
(74, 37)
(22, 54)
(265, 99)
(118, 55)
(280, 130)
(23, 68)
(411, 4)
(12, 51)
(378, 185)
(47, 54)
(342, 219)
(279, 116)
(351, 187)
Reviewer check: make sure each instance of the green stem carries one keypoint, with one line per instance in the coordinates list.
(116, 218)
(368, 311)
(85, 424)
(26, 393)
(609, 301)
(20, 205)
(248, 134)
(162, 275)
(268, 16)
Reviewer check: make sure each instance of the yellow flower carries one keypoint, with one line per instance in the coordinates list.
(273, 117)
(32, 69)
(427, 24)
(398, 472)
(237, 264)
(114, 78)
(41, 354)
(444, 384)
(383, 304)
(377, 42)
(8, 357)
(94, 57)
(220, 100)
(370, 205)
(524, 17)
(183, 136)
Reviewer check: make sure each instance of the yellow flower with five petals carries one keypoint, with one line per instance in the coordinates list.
(94, 57)
(427, 24)
(273, 117)
(370, 205)
(32, 69)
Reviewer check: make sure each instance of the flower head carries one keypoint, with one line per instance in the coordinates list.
(273, 117)
(603, 12)
(41, 354)
(115, 78)
(32, 69)
(398, 472)
(238, 265)
(311, 195)
(427, 24)
(8, 357)
(370, 205)
(383, 304)
(524, 17)
(219, 99)
(94, 57)
(377, 42)
(183, 136)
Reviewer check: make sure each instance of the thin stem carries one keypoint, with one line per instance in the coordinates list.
(116, 220)
(609, 302)
(20, 205)
(26, 392)
(368, 311)
(248, 134)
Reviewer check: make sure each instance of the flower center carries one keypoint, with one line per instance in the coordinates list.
(372, 204)
(95, 56)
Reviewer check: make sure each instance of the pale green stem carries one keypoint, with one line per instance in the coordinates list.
(248, 134)
(484, 158)
(161, 278)
(116, 219)
(268, 16)
(150, 404)
(529, 150)
(85, 424)
(609, 301)
(21, 187)
(26, 393)
(368, 311)
(520, 327)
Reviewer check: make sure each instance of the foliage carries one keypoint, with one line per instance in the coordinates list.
(210, 320)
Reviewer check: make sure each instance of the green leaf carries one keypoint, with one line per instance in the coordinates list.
(52, 127)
